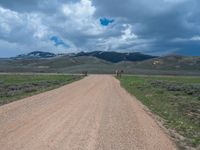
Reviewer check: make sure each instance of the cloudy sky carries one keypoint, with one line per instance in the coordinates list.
(156, 27)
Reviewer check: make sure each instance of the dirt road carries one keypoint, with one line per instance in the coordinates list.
(91, 114)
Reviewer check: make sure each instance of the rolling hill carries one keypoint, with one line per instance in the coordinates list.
(116, 57)
(76, 63)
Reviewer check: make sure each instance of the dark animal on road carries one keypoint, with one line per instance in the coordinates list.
(119, 73)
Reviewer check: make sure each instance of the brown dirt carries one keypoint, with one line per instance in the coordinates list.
(91, 114)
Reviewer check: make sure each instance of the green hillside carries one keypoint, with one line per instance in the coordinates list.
(169, 65)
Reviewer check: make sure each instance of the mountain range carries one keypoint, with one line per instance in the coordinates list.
(108, 56)
(116, 57)
(36, 54)
(101, 62)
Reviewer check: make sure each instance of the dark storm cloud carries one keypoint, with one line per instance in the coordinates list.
(150, 26)
(20, 5)
(33, 5)
(160, 19)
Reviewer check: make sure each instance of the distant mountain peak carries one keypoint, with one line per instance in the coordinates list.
(37, 54)
(110, 56)
(116, 57)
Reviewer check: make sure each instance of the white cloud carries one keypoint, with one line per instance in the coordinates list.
(195, 38)
(127, 40)
(35, 23)
(25, 32)
(29, 26)
(80, 17)
(8, 20)
(79, 10)
(127, 33)
(21, 27)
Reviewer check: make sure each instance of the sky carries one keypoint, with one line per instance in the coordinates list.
(156, 27)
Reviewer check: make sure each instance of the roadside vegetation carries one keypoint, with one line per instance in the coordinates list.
(14, 87)
(175, 99)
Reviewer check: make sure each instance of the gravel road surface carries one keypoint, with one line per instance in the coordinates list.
(94, 113)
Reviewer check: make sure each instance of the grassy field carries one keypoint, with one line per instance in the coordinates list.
(169, 65)
(14, 87)
(175, 99)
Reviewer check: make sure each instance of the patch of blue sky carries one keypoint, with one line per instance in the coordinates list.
(57, 41)
(106, 21)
